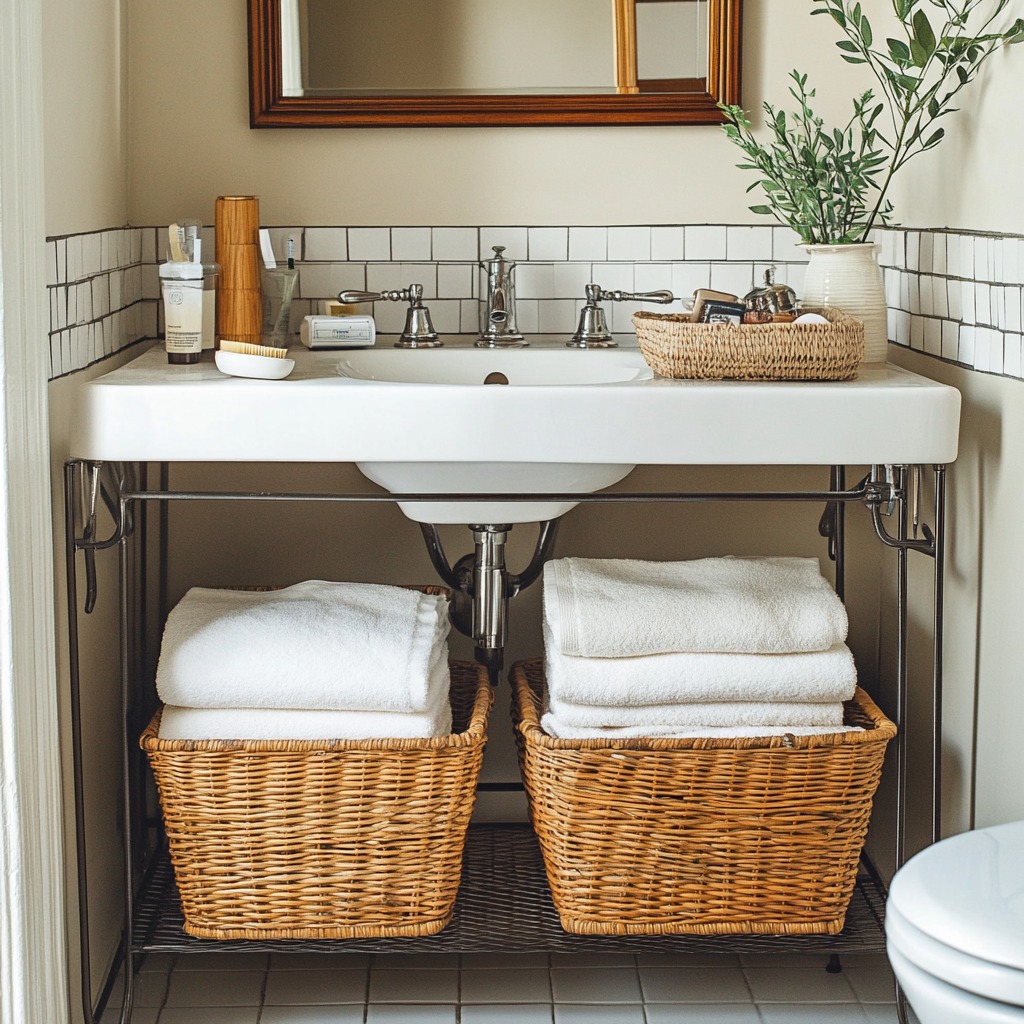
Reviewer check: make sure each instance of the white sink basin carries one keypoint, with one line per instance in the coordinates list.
(517, 367)
(570, 422)
(475, 368)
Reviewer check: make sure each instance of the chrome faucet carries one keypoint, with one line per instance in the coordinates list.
(419, 331)
(593, 329)
(498, 306)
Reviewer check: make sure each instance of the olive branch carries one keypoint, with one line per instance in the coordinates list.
(830, 184)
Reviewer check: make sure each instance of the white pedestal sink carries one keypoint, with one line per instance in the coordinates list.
(569, 421)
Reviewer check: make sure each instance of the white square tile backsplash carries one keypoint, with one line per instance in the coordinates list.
(589, 243)
(456, 243)
(955, 295)
(548, 243)
(629, 243)
(369, 244)
(325, 244)
(410, 244)
(706, 242)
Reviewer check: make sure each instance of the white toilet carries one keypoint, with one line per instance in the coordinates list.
(954, 926)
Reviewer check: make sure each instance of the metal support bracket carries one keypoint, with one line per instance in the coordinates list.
(106, 481)
(884, 491)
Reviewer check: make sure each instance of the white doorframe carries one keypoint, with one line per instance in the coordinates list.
(33, 958)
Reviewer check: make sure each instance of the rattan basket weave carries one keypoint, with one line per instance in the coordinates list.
(276, 839)
(675, 347)
(702, 836)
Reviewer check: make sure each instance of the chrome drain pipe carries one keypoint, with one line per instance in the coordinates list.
(490, 598)
(482, 585)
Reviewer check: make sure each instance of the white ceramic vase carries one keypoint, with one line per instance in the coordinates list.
(849, 278)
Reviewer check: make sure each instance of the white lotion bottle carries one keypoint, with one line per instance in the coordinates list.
(182, 287)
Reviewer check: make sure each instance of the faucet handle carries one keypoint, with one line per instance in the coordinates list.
(593, 331)
(411, 294)
(595, 293)
(419, 331)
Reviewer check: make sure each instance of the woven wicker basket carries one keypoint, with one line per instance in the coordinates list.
(700, 836)
(277, 839)
(675, 347)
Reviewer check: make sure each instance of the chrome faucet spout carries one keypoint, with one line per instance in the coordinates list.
(498, 306)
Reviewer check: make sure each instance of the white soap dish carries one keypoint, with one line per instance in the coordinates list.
(236, 364)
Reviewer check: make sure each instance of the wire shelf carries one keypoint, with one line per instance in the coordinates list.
(504, 906)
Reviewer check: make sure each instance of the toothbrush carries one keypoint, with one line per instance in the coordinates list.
(291, 253)
(174, 235)
(267, 250)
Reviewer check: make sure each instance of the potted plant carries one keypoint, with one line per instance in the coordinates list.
(830, 184)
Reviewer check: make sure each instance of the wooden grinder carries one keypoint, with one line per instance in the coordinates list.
(239, 299)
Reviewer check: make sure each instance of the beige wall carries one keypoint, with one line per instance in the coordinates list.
(86, 150)
(985, 564)
(190, 145)
(181, 158)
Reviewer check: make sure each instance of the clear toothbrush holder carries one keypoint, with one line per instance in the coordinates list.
(278, 290)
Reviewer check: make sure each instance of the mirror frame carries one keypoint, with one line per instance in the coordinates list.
(270, 109)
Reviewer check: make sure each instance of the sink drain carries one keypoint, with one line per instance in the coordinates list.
(496, 378)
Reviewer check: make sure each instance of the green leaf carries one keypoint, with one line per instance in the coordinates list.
(899, 51)
(845, 44)
(763, 210)
(866, 35)
(923, 33)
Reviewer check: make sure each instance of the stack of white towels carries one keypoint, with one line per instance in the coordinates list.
(716, 647)
(318, 660)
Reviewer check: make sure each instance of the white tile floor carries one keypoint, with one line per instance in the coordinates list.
(584, 988)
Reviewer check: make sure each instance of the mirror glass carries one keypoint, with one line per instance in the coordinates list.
(474, 47)
(379, 62)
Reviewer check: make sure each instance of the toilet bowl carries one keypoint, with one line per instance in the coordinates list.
(954, 927)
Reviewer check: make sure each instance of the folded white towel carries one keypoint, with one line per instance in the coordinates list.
(613, 608)
(819, 676)
(315, 646)
(714, 714)
(555, 728)
(269, 724)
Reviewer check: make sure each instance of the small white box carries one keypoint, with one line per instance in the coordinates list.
(319, 332)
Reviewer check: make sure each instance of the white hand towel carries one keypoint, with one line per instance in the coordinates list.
(555, 728)
(657, 679)
(269, 724)
(717, 714)
(613, 608)
(314, 646)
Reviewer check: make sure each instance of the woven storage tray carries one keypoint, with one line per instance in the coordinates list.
(700, 836)
(676, 347)
(277, 839)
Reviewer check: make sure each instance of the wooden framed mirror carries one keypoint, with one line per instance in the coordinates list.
(321, 64)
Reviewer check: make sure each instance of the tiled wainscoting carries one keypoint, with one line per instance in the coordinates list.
(954, 295)
(98, 303)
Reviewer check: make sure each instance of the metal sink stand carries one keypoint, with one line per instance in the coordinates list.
(483, 586)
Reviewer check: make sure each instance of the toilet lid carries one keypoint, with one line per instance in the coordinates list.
(968, 893)
(950, 966)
